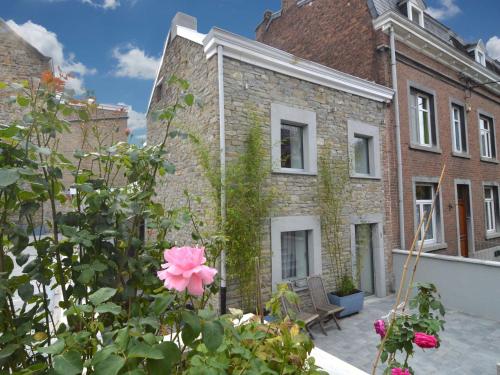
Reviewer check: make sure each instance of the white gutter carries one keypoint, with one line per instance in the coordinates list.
(222, 145)
(398, 138)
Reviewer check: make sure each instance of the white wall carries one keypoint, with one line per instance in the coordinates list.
(467, 285)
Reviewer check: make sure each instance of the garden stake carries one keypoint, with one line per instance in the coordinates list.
(405, 269)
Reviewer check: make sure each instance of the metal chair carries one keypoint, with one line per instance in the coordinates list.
(322, 305)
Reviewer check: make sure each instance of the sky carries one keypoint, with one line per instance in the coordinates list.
(113, 47)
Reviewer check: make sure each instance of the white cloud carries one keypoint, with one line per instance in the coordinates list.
(134, 63)
(493, 47)
(446, 9)
(105, 4)
(136, 124)
(47, 43)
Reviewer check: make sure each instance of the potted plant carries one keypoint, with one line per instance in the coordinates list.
(333, 191)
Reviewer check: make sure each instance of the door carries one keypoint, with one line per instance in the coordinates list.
(463, 236)
(364, 258)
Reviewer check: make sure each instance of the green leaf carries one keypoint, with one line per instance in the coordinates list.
(189, 99)
(212, 334)
(69, 363)
(3, 85)
(171, 354)
(8, 132)
(8, 350)
(86, 276)
(384, 356)
(110, 366)
(25, 291)
(122, 338)
(8, 176)
(53, 349)
(102, 295)
(191, 319)
(22, 101)
(143, 350)
(77, 309)
(108, 307)
(161, 303)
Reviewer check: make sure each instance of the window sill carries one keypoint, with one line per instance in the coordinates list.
(294, 171)
(490, 236)
(489, 160)
(435, 247)
(365, 176)
(434, 149)
(461, 155)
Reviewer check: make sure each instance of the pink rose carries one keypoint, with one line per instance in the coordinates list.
(185, 269)
(425, 341)
(380, 327)
(400, 371)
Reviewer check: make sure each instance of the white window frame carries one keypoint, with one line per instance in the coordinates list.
(489, 210)
(281, 113)
(488, 137)
(456, 120)
(480, 56)
(292, 224)
(418, 121)
(411, 7)
(419, 207)
(372, 133)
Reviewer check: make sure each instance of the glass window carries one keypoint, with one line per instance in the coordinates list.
(424, 196)
(361, 154)
(487, 137)
(422, 119)
(489, 208)
(415, 15)
(294, 255)
(459, 130)
(292, 146)
(480, 58)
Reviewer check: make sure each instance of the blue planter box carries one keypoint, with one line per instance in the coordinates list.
(352, 304)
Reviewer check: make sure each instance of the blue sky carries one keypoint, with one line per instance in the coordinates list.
(115, 45)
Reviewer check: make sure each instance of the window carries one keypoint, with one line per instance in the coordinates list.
(424, 196)
(292, 146)
(422, 118)
(293, 137)
(294, 255)
(459, 129)
(364, 150)
(416, 15)
(487, 137)
(489, 209)
(361, 155)
(296, 249)
(480, 57)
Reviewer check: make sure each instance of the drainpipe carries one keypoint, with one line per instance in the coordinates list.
(222, 146)
(394, 72)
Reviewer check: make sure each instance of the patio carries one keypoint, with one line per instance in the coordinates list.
(470, 345)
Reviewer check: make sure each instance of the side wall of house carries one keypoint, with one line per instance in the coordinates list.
(250, 91)
(185, 59)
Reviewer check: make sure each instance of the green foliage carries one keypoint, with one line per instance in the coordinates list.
(426, 317)
(333, 192)
(118, 318)
(248, 204)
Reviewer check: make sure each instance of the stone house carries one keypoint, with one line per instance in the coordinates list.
(21, 61)
(446, 110)
(304, 110)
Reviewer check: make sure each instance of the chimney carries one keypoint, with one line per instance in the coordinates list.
(184, 20)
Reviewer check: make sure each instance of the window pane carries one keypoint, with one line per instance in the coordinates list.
(415, 15)
(430, 232)
(457, 129)
(424, 192)
(292, 155)
(294, 255)
(361, 155)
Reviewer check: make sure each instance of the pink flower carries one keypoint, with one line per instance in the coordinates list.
(400, 371)
(380, 327)
(185, 269)
(425, 341)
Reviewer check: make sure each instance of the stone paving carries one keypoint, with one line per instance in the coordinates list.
(470, 345)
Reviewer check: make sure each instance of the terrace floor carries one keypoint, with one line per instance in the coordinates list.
(470, 345)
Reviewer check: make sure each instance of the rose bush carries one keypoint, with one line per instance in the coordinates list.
(88, 295)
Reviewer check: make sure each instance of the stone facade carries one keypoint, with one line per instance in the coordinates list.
(249, 92)
(343, 36)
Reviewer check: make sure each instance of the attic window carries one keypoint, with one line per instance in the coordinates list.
(480, 57)
(415, 14)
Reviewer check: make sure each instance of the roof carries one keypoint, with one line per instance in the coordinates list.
(4, 27)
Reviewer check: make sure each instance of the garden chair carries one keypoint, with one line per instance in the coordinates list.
(322, 305)
(294, 311)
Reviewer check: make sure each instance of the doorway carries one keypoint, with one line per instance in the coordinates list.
(463, 219)
(364, 262)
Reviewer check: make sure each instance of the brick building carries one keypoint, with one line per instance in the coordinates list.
(320, 109)
(21, 61)
(446, 110)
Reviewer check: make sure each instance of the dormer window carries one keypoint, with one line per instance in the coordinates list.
(478, 51)
(414, 10)
(480, 58)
